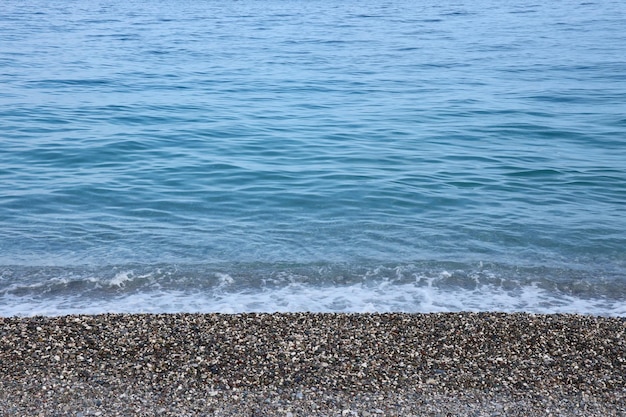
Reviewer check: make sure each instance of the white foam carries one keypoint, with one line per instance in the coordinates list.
(121, 278)
(359, 298)
(224, 279)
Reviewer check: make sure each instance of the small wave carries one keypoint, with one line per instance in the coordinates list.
(309, 288)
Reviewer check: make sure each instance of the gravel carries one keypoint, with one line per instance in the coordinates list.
(302, 364)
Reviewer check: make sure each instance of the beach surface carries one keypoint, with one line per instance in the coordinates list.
(301, 364)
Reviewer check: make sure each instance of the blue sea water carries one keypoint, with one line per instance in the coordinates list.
(319, 155)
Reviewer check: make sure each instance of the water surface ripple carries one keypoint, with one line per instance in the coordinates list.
(312, 155)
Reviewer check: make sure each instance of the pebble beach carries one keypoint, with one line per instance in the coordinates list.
(301, 364)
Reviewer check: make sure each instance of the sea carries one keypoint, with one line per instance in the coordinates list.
(312, 156)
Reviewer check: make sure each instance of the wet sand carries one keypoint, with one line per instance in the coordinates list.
(300, 364)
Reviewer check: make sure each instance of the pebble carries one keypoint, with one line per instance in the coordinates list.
(314, 364)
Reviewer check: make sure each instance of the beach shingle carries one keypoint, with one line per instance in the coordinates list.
(313, 364)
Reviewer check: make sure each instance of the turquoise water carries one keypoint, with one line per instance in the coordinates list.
(316, 155)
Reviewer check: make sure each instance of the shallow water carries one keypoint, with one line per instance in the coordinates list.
(293, 156)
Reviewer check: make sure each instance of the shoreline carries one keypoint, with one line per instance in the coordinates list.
(313, 364)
